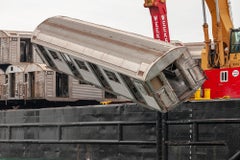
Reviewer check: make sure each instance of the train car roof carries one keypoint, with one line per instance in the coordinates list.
(14, 68)
(36, 67)
(11, 33)
(131, 54)
(195, 48)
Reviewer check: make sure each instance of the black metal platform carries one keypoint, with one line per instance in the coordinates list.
(195, 130)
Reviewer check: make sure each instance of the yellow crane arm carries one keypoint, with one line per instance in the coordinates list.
(222, 26)
(225, 22)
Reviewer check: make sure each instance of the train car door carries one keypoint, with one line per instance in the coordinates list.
(31, 84)
(26, 51)
(12, 84)
(62, 89)
(2, 81)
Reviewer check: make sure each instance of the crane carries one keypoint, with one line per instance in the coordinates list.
(220, 59)
(224, 36)
(158, 11)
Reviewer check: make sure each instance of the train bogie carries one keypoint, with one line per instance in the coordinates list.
(154, 74)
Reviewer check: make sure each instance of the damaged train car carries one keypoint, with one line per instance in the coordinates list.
(25, 81)
(154, 74)
(37, 83)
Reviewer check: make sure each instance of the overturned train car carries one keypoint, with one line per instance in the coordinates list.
(154, 74)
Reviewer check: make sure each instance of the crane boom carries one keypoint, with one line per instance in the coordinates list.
(221, 31)
(158, 11)
(224, 24)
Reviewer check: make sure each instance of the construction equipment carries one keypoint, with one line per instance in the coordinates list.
(220, 57)
(158, 12)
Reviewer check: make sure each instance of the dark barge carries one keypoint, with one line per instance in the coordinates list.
(200, 130)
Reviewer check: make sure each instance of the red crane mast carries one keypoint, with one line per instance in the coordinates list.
(158, 11)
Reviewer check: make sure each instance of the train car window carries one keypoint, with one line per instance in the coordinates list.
(132, 88)
(81, 65)
(62, 89)
(14, 38)
(50, 73)
(100, 76)
(54, 55)
(110, 95)
(83, 82)
(142, 88)
(46, 56)
(26, 51)
(23, 56)
(71, 65)
(112, 76)
(156, 83)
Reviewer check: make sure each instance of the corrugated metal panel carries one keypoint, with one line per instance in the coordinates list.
(50, 83)
(5, 50)
(14, 51)
(39, 84)
(83, 91)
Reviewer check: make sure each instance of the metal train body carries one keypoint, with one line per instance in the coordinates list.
(23, 76)
(15, 47)
(154, 74)
(37, 81)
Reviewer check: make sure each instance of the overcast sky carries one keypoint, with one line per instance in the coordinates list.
(185, 16)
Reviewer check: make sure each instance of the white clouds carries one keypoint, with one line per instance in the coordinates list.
(185, 16)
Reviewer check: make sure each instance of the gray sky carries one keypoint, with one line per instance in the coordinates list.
(185, 16)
